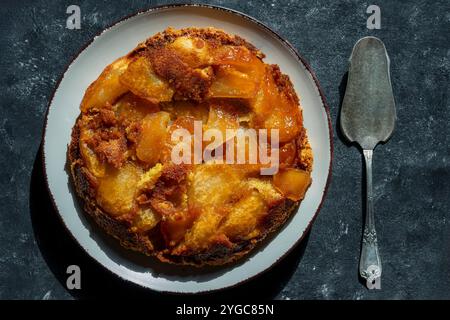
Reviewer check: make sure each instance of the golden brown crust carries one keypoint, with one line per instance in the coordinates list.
(152, 243)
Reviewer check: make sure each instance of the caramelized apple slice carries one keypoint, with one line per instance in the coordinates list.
(287, 154)
(149, 178)
(233, 55)
(186, 123)
(288, 123)
(231, 83)
(140, 79)
(274, 110)
(212, 192)
(266, 189)
(204, 228)
(133, 108)
(181, 108)
(242, 153)
(107, 88)
(175, 225)
(193, 51)
(117, 188)
(267, 96)
(152, 137)
(212, 186)
(183, 122)
(244, 217)
(222, 116)
(145, 220)
(292, 183)
(238, 74)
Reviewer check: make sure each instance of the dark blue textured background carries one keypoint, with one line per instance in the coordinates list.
(412, 171)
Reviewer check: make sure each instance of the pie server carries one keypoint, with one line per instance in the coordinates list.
(368, 118)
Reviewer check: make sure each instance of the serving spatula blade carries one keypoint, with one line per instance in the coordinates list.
(368, 109)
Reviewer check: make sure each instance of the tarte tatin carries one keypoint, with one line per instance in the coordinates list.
(199, 212)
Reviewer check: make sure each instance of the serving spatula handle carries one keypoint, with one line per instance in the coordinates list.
(370, 262)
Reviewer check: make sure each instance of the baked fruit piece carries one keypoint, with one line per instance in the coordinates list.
(196, 214)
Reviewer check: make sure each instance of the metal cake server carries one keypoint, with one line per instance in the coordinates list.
(367, 118)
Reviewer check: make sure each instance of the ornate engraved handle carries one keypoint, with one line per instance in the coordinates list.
(370, 262)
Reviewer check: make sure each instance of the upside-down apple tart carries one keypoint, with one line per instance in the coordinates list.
(202, 211)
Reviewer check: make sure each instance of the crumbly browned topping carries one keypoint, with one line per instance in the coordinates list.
(189, 83)
(107, 138)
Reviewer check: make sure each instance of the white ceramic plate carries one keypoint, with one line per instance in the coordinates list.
(64, 109)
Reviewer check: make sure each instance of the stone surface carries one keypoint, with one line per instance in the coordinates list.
(411, 172)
